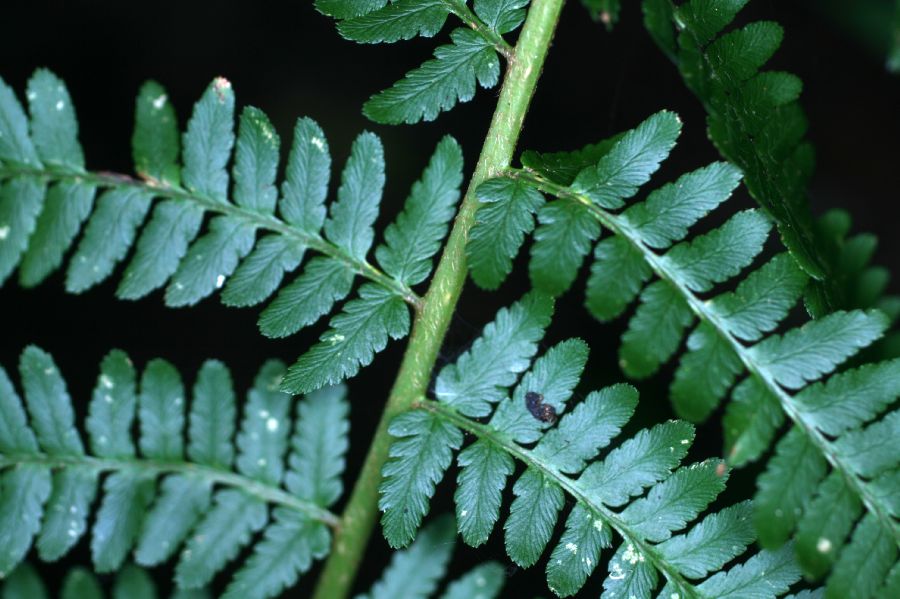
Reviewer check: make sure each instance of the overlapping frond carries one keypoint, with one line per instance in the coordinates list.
(472, 57)
(254, 235)
(731, 343)
(513, 408)
(754, 118)
(417, 571)
(210, 494)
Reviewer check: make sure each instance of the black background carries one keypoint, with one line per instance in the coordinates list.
(288, 60)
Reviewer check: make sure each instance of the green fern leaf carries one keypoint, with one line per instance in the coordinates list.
(563, 167)
(155, 144)
(806, 353)
(216, 232)
(307, 299)
(345, 9)
(109, 234)
(485, 581)
(400, 20)
(629, 162)
(289, 546)
(318, 447)
(483, 473)
(26, 490)
(15, 143)
(501, 16)
(865, 561)
(133, 582)
(126, 497)
(655, 331)
(415, 237)
(450, 77)
(161, 412)
(24, 583)
(208, 142)
(80, 583)
(416, 572)
(563, 238)
(154, 501)
(181, 502)
(532, 516)
(112, 408)
(54, 127)
(306, 177)
(617, 275)
(479, 376)
(560, 454)
(767, 573)
(744, 104)
(160, 248)
(256, 162)
(418, 461)
(66, 207)
(791, 371)
(260, 274)
(830, 516)
(352, 216)
(712, 543)
(500, 229)
(21, 200)
(360, 331)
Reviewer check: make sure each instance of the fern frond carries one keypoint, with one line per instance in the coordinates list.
(416, 571)
(756, 122)
(637, 489)
(78, 583)
(246, 250)
(471, 59)
(786, 372)
(210, 494)
(754, 118)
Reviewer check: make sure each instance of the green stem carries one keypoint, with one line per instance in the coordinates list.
(701, 310)
(266, 492)
(266, 222)
(432, 321)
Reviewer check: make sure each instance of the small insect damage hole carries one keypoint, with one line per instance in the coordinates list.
(541, 411)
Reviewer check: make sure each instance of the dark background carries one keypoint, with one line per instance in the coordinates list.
(288, 60)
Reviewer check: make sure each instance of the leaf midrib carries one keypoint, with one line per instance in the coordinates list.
(268, 493)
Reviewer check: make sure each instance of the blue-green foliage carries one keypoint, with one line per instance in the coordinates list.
(157, 493)
(131, 582)
(756, 122)
(732, 343)
(754, 117)
(513, 408)
(256, 233)
(471, 58)
(416, 572)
